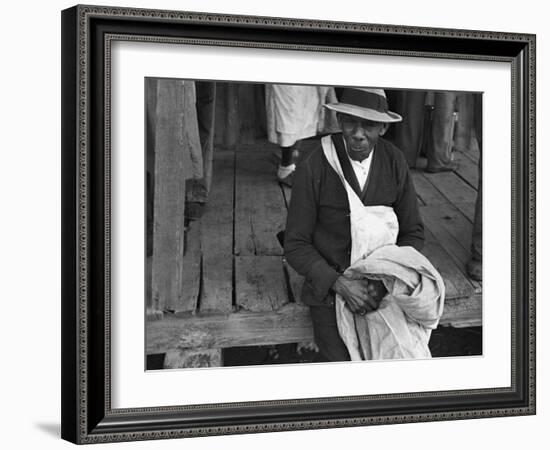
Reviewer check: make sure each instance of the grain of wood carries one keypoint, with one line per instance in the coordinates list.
(232, 118)
(260, 211)
(217, 237)
(260, 283)
(193, 358)
(450, 271)
(176, 137)
(433, 191)
(468, 209)
(148, 281)
(465, 312)
(453, 220)
(467, 169)
(291, 323)
(449, 241)
(249, 112)
(456, 190)
(191, 272)
(426, 190)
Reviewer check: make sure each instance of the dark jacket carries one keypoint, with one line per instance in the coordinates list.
(318, 237)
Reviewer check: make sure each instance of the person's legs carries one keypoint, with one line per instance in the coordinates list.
(439, 152)
(285, 171)
(474, 265)
(325, 331)
(408, 133)
(465, 122)
(198, 189)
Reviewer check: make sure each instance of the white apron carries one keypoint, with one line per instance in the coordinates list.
(401, 326)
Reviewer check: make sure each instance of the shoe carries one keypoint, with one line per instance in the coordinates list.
(450, 168)
(287, 181)
(285, 174)
(474, 270)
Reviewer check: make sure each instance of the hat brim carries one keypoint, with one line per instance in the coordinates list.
(364, 113)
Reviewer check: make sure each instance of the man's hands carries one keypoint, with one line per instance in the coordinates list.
(361, 296)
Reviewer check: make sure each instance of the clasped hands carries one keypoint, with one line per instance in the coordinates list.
(360, 295)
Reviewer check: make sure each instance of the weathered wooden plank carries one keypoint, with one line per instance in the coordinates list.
(259, 283)
(176, 137)
(468, 209)
(252, 111)
(434, 221)
(429, 190)
(453, 221)
(467, 169)
(232, 118)
(191, 272)
(465, 312)
(220, 112)
(260, 211)
(291, 323)
(240, 114)
(217, 237)
(148, 280)
(442, 262)
(456, 190)
(450, 271)
(193, 358)
(426, 190)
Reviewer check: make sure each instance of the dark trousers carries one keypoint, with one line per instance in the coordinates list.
(407, 135)
(198, 189)
(325, 332)
(476, 247)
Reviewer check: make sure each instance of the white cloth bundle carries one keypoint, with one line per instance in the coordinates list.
(401, 326)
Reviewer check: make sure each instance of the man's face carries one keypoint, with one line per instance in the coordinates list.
(361, 135)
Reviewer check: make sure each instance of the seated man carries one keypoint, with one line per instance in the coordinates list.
(318, 237)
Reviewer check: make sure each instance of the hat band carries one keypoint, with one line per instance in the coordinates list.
(365, 99)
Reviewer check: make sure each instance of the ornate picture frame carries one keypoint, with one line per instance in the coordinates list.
(88, 33)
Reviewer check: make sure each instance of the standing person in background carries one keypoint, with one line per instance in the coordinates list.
(439, 152)
(294, 113)
(442, 136)
(407, 135)
(474, 267)
(197, 189)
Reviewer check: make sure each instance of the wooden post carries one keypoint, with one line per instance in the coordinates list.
(176, 140)
(233, 122)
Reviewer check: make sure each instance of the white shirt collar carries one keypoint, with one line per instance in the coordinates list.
(361, 168)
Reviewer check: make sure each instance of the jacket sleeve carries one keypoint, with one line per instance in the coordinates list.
(300, 252)
(411, 227)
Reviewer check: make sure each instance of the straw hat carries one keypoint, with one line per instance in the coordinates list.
(366, 103)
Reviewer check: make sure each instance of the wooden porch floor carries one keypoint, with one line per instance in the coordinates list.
(240, 292)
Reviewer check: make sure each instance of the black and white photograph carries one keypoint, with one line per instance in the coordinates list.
(282, 224)
(292, 223)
